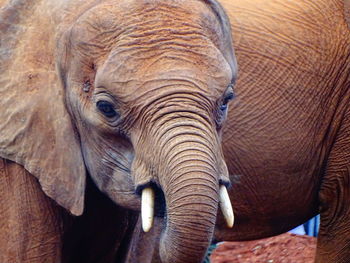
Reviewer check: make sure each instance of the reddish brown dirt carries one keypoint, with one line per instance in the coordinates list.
(285, 248)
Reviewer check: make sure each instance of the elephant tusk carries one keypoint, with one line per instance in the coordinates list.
(226, 206)
(147, 208)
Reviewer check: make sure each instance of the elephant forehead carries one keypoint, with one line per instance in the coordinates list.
(161, 12)
(128, 74)
(157, 40)
(145, 23)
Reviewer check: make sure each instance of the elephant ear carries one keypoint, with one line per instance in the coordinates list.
(36, 130)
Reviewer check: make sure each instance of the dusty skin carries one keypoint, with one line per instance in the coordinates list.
(134, 94)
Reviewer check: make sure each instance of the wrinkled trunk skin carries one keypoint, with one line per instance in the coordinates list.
(181, 152)
(191, 216)
(190, 186)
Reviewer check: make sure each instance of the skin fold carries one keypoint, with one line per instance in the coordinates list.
(100, 100)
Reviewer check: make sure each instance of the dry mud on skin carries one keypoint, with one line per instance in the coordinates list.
(285, 248)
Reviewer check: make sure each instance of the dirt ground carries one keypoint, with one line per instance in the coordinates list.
(285, 248)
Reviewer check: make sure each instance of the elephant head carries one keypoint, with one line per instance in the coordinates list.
(141, 94)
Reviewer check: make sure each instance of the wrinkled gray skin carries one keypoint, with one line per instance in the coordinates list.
(133, 92)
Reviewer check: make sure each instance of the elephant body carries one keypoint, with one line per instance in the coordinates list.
(287, 142)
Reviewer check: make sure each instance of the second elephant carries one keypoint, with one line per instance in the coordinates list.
(287, 139)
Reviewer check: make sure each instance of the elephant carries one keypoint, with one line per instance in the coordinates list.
(287, 138)
(109, 108)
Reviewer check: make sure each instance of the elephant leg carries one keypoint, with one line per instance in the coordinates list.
(30, 222)
(333, 245)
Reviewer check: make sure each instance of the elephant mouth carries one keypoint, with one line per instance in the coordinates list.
(159, 202)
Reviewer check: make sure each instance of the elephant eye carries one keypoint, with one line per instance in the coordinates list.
(106, 108)
(223, 105)
(228, 96)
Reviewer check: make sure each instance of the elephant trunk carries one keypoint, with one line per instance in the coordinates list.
(192, 166)
(192, 201)
(184, 158)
